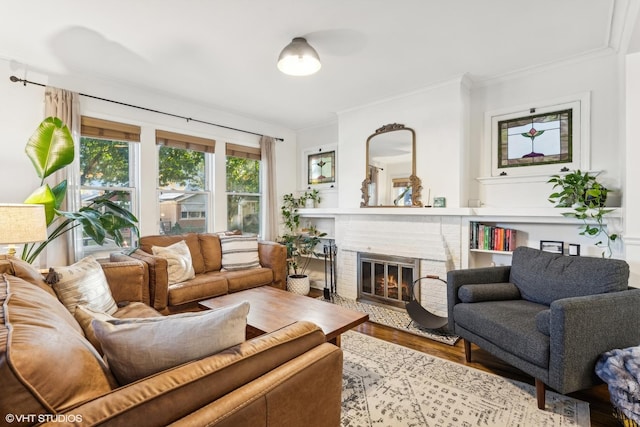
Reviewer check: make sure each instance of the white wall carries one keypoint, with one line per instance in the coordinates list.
(598, 75)
(632, 196)
(437, 116)
(22, 110)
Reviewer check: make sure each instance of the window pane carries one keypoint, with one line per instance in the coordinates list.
(243, 213)
(181, 169)
(122, 199)
(104, 163)
(182, 212)
(243, 175)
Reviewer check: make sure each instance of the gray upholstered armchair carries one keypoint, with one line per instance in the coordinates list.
(548, 315)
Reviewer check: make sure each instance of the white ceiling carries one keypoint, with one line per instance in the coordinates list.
(222, 53)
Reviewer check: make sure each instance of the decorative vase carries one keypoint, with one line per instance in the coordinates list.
(298, 284)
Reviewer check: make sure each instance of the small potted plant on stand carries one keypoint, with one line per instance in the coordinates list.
(300, 243)
(586, 196)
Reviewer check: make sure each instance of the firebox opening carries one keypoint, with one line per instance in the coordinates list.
(386, 279)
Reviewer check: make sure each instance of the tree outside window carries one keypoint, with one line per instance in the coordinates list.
(105, 168)
(243, 194)
(183, 194)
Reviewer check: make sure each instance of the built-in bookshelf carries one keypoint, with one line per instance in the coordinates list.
(487, 237)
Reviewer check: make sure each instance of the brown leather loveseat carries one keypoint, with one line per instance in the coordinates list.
(52, 375)
(210, 279)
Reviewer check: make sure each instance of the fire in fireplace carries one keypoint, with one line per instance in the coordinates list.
(386, 279)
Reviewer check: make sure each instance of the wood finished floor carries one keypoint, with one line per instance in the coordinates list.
(597, 397)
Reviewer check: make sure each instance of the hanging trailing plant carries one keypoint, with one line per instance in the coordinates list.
(586, 196)
(50, 149)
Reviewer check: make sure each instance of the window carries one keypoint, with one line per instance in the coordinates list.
(183, 188)
(243, 189)
(108, 152)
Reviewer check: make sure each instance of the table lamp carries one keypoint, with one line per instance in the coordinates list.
(22, 223)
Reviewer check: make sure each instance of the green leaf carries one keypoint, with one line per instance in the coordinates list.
(60, 191)
(51, 147)
(44, 196)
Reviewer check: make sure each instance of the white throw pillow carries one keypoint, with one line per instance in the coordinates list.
(84, 283)
(137, 348)
(179, 264)
(239, 252)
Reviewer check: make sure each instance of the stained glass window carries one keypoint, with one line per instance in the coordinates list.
(535, 140)
(322, 167)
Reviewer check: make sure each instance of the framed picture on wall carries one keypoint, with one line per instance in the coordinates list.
(321, 167)
(543, 138)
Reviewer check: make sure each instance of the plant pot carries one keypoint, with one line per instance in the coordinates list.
(309, 203)
(298, 284)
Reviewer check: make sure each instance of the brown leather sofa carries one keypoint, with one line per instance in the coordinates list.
(52, 375)
(210, 281)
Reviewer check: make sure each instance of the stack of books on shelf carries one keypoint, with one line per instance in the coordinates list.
(491, 238)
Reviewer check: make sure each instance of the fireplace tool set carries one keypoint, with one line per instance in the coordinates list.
(330, 252)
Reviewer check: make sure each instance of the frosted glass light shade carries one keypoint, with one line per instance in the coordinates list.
(298, 58)
(22, 223)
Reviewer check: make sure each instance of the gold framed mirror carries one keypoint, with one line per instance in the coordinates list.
(390, 176)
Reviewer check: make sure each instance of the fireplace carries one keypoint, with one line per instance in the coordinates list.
(386, 279)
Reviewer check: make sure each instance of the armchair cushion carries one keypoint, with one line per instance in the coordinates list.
(509, 324)
(169, 341)
(544, 277)
(488, 292)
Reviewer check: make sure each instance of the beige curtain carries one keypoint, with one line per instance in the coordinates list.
(66, 106)
(268, 156)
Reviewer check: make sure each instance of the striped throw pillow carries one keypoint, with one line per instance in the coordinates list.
(239, 252)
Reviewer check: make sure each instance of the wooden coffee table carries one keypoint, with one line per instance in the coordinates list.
(272, 309)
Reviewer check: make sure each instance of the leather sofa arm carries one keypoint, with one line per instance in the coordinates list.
(173, 394)
(274, 256)
(582, 328)
(128, 280)
(471, 276)
(158, 277)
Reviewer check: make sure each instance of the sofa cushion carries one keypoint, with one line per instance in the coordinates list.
(544, 277)
(35, 336)
(84, 283)
(179, 264)
(29, 273)
(168, 341)
(510, 325)
(211, 251)
(239, 252)
(245, 279)
(488, 292)
(203, 286)
(191, 239)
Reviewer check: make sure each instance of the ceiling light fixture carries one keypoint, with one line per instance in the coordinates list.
(298, 58)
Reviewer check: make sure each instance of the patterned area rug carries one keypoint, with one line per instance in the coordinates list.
(385, 384)
(398, 319)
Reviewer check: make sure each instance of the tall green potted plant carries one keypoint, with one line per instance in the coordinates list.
(300, 243)
(582, 192)
(50, 149)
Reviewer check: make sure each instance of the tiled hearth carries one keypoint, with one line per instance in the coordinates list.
(434, 241)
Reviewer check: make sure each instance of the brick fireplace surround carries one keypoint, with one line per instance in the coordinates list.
(434, 240)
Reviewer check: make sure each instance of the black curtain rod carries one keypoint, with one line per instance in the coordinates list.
(188, 119)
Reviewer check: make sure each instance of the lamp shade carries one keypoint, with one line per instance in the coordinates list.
(298, 58)
(22, 223)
